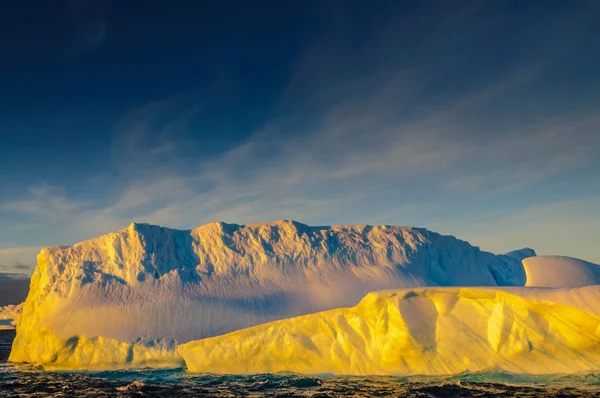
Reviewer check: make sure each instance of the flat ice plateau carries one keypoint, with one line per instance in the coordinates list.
(134, 297)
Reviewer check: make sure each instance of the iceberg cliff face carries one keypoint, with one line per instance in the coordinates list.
(129, 297)
(426, 331)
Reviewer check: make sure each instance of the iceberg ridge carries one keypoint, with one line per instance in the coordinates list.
(130, 297)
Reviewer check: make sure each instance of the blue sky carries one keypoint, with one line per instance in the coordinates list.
(477, 119)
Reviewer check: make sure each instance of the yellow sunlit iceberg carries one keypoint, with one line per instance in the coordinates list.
(425, 331)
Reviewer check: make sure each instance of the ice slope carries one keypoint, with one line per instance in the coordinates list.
(9, 315)
(128, 298)
(558, 271)
(423, 331)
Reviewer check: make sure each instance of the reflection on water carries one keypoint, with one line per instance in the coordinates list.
(24, 381)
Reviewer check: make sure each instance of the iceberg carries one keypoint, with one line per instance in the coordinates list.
(9, 315)
(423, 331)
(129, 298)
(560, 271)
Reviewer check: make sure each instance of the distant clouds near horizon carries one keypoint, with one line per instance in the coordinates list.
(477, 119)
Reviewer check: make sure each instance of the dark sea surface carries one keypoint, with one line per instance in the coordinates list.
(26, 381)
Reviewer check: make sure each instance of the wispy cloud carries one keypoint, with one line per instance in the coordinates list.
(88, 27)
(558, 228)
(43, 201)
(330, 172)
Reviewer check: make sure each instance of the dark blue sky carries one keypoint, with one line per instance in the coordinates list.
(71, 69)
(470, 117)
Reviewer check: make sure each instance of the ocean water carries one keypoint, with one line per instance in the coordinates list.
(27, 381)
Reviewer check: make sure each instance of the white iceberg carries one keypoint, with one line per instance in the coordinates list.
(9, 315)
(127, 299)
(559, 271)
(424, 331)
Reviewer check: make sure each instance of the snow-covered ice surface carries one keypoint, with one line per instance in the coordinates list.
(558, 271)
(423, 331)
(9, 314)
(127, 299)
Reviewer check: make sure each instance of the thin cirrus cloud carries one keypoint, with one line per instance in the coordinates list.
(558, 228)
(361, 134)
(42, 201)
(323, 176)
